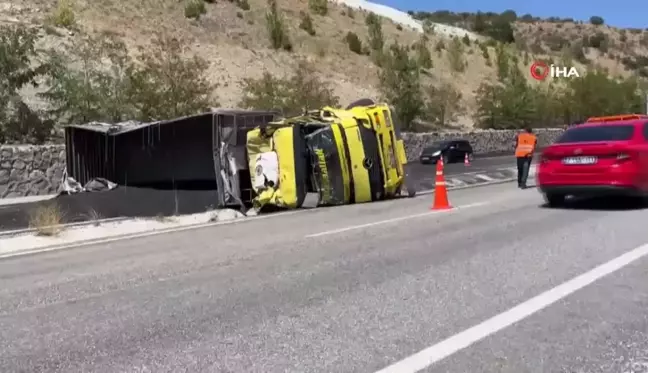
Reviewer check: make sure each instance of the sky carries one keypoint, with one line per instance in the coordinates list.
(619, 13)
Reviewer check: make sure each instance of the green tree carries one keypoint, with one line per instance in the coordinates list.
(443, 103)
(509, 15)
(423, 55)
(400, 85)
(479, 24)
(110, 86)
(550, 105)
(98, 90)
(506, 104)
(376, 37)
(301, 91)
(307, 91)
(596, 20)
(17, 50)
(19, 67)
(167, 85)
(267, 93)
(502, 62)
(456, 56)
(596, 94)
(501, 30)
(488, 97)
(276, 28)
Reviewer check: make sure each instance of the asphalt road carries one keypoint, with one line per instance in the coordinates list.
(347, 289)
(422, 175)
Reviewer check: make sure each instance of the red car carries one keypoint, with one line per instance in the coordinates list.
(603, 156)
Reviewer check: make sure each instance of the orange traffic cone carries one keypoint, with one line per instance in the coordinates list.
(440, 190)
(466, 160)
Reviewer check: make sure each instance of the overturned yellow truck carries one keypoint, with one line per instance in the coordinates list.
(345, 156)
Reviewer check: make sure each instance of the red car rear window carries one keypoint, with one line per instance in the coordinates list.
(602, 133)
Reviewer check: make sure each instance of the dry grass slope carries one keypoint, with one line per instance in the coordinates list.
(235, 42)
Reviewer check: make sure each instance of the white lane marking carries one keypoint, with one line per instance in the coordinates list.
(401, 218)
(458, 342)
(484, 177)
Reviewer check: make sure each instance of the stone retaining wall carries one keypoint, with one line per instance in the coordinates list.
(502, 141)
(28, 170)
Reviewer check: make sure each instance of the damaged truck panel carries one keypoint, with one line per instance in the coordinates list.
(350, 156)
(279, 165)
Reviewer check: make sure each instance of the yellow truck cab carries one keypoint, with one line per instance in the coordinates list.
(352, 155)
(381, 139)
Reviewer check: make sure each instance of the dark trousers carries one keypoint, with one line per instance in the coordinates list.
(523, 165)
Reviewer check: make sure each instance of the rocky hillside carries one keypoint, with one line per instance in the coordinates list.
(232, 35)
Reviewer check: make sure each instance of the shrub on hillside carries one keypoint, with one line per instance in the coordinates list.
(243, 4)
(354, 43)
(598, 41)
(319, 7)
(484, 52)
(456, 56)
(423, 55)
(400, 84)
(276, 28)
(195, 9)
(63, 15)
(306, 24)
(374, 27)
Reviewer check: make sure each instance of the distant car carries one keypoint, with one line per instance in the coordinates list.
(449, 150)
(603, 156)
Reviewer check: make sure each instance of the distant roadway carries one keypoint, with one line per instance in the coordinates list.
(423, 175)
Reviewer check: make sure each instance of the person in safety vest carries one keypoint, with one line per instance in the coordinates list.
(526, 144)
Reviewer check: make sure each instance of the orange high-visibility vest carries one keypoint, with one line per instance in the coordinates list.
(526, 144)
